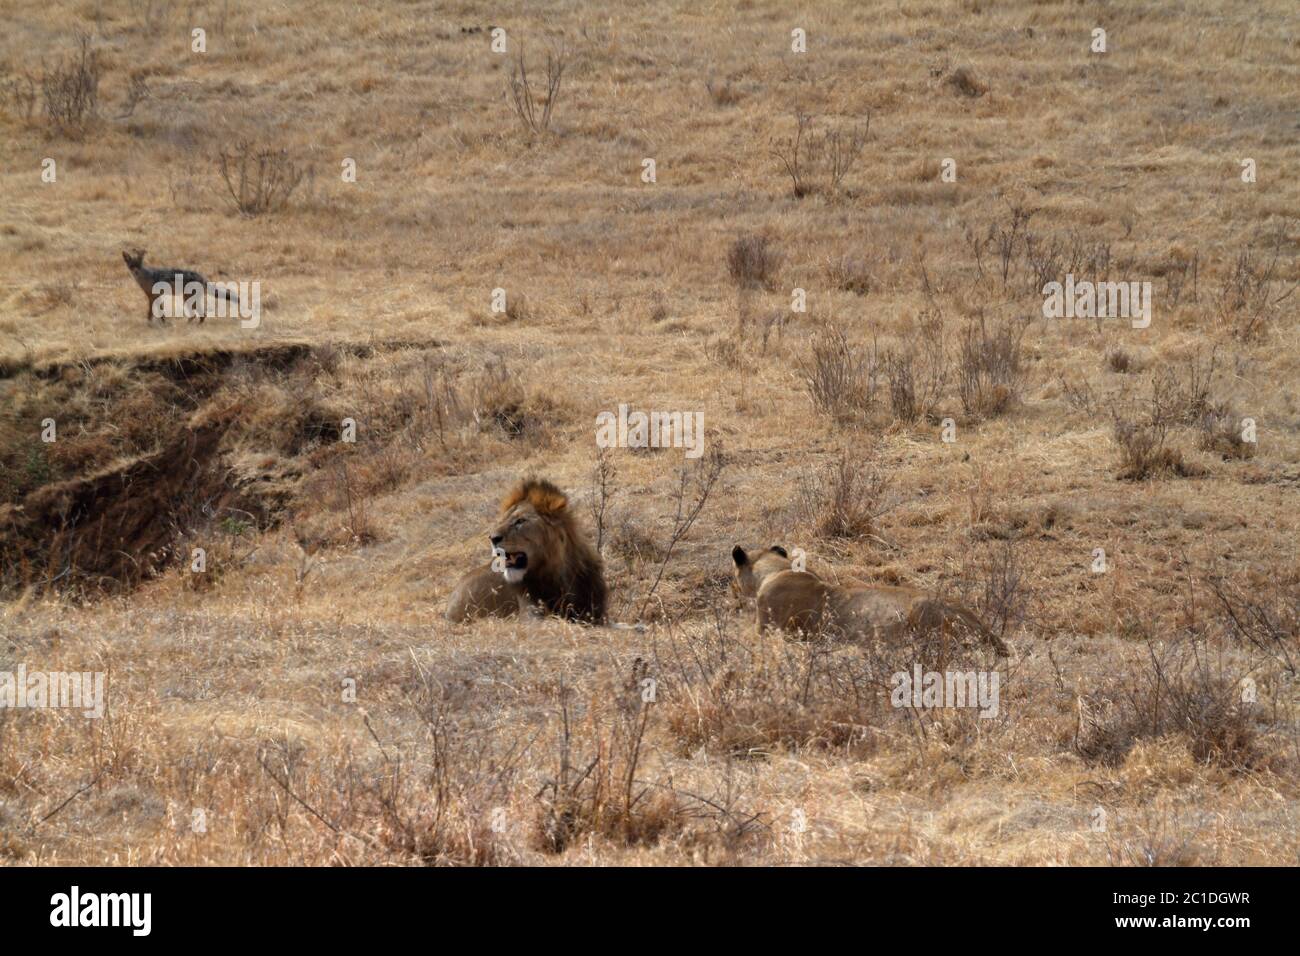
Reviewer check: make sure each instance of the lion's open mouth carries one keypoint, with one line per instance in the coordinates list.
(516, 560)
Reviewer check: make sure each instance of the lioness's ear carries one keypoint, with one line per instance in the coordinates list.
(739, 556)
(780, 550)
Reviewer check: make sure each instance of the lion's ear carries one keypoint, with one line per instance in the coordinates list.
(780, 550)
(739, 556)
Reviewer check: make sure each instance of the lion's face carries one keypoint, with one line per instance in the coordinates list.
(751, 569)
(522, 540)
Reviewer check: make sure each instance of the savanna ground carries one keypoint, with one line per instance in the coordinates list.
(1125, 733)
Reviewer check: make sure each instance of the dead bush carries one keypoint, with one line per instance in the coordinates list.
(844, 499)
(70, 90)
(1263, 613)
(1224, 433)
(1251, 291)
(849, 273)
(723, 93)
(753, 262)
(440, 799)
(726, 351)
(608, 795)
(994, 586)
(18, 94)
(1143, 450)
(965, 82)
(917, 371)
(603, 795)
(1181, 686)
(497, 399)
(818, 161)
(750, 700)
(258, 179)
(1180, 395)
(841, 380)
(1119, 361)
(989, 371)
(533, 110)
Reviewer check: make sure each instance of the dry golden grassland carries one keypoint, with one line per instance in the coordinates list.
(1148, 713)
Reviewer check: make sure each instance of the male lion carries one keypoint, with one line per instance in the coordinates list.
(799, 601)
(544, 564)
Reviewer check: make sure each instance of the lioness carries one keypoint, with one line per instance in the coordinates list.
(544, 564)
(799, 601)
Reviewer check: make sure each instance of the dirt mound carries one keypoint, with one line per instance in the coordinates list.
(157, 453)
(111, 530)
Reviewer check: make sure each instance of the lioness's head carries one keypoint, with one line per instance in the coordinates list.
(134, 258)
(751, 569)
(530, 535)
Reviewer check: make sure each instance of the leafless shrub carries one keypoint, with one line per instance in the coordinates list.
(849, 273)
(1184, 393)
(723, 93)
(1180, 395)
(989, 371)
(1264, 614)
(609, 794)
(1120, 361)
(726, 350)
(845, 498)
(1180, 686)
(441, 408)
(1008, 241)
(965, 82)
(634, 544)
(1223, 433)
(258, 179)
(353, 503)
(19, 95)
(917, 372)
(1143, 450)
(604, 795)
(753, 262)
(1251, 291)
(1045, 260)
(439, 800)
(841, 380)
(772, 320)
(534, 114)
(818, 161)
(1078, 395)
(995, 587)
(1157, 839)
(749, 701)
(154, 15)
(694, 486)
(1179, 272)
(497, 399)
(519, 309)
(70, 91)
(603, 474)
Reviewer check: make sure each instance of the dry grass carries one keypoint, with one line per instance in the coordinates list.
(330, 561)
